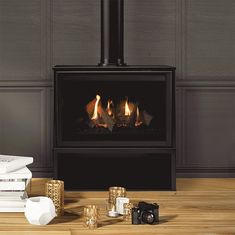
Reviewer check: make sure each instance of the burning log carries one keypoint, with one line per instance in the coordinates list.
(110, 108)
(138, 121)
(125, 114)
(147, 118)
(98, 116)
(90, 107)
(108, 121)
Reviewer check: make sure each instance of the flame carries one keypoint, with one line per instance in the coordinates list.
(127, 109)
(108, 109)
(95, 114)
(138, 122)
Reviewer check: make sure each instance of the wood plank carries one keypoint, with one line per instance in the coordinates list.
(35, 232)
(206, 184)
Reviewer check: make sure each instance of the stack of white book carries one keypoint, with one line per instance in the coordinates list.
(14, 178)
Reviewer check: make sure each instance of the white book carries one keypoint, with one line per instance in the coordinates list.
(23, 173)
(12, 199)
(9, 163)
(12, 205)
(12, 209)
(12, 195)
(12, 185)
(22, 176)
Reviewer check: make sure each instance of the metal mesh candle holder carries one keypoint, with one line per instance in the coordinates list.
(115, 192)
(127, 215)
(55, 191)
(91, 215)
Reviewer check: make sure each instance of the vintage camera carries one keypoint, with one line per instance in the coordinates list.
(145, 213)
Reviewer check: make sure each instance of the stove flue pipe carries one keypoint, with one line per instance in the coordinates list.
(112, 27)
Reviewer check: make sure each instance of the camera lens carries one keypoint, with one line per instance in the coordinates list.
(148, 217)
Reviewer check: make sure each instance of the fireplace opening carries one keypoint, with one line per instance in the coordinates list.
(113, 110)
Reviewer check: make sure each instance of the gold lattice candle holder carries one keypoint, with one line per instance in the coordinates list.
(91, 215)
(127, 211)
(55, 191)
(115, 192)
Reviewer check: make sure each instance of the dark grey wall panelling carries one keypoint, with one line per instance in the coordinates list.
(196, 36)
(205, 106)
(210, 36)
(208, 135)
(23, 35)
(76, 32)
(25, 75)
(210, 126)
(23, 124)
(150, 32)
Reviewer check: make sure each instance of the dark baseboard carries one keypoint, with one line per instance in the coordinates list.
(188, 172)
(41, 172)
(201, 172)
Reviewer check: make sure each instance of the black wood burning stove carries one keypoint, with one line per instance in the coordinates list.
(114, 124)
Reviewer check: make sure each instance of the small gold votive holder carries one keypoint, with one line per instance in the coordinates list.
(55, 191)
(115, 192)
(91, 215)
(127, 211)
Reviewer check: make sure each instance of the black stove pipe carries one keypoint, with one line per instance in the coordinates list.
(112, 14)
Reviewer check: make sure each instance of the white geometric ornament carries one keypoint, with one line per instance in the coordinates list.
(39, 210)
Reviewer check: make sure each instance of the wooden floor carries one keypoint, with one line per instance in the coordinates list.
(199, 206)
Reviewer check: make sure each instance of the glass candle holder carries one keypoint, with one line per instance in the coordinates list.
(115, 192)
(91, 215)
(110, 209)
(55, 191)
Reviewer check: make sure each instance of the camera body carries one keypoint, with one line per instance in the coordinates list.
(145, 213)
